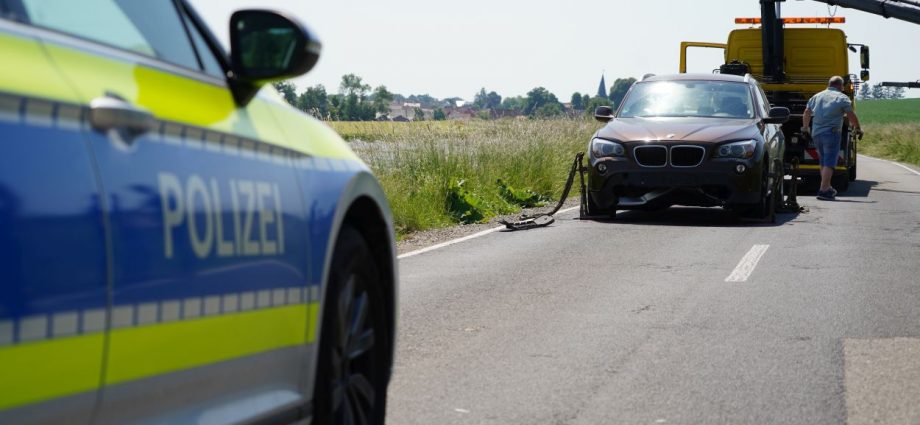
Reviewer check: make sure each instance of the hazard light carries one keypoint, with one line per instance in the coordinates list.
(835, 20)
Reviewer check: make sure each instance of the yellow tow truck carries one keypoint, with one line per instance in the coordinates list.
(797, 64)
(793, 64)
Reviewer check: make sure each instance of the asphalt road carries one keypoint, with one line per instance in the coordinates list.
(633, 321)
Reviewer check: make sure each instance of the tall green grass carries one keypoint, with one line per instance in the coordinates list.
(432, 171)
(899, 142)
(892, 129)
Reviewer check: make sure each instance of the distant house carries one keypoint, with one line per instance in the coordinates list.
(463, 113)
(400, 118)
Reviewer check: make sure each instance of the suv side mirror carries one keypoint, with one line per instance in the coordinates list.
(778, 115)
(603, 113)
(266, 46)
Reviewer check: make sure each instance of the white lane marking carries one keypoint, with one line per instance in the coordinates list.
(747, 264)
(465, 238)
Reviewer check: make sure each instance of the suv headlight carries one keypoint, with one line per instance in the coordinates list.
(601, 148)
(743, 149)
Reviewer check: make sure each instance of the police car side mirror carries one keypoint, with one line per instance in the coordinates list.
(778, 115)
(266, 46)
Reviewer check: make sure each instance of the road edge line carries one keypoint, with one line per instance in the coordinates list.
(464, 238)
(908, 168)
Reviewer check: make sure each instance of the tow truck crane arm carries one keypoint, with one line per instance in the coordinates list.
(905, 10)
(908, 85)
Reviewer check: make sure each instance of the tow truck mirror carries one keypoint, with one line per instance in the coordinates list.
(603, 113)
(778, 115)
(266, 46)
(864, 57)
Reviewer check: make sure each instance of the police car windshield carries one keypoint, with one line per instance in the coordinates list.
(708, 99)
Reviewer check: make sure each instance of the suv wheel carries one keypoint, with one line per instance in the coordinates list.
(590, 211)
(352, 368)
(779, 185)
(765, 209)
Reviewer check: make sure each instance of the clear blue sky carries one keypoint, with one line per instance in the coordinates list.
(452, 48)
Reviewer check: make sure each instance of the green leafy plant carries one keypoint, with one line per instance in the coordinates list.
(464, 205)
(524, 198)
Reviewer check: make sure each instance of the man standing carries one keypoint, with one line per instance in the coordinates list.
(828, 109)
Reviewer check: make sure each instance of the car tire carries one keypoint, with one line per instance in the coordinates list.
(765, 209)
(353, 368)
(592, 211)
(779, 187)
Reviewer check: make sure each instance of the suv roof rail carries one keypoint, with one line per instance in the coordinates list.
(647, 76)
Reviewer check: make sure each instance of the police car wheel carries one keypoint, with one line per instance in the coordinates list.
(351, 372)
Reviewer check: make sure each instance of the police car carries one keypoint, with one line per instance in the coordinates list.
(177, 244)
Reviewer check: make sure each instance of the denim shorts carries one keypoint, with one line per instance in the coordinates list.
(828, 146)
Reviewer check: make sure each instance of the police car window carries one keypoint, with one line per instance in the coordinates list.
(149, 27)
(208, 61)
(12, 10)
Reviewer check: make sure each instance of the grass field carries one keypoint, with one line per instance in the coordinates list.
(888, 111)
(439, 173)
(892, 129)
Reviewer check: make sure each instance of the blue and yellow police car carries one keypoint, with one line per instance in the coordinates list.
(177, 244)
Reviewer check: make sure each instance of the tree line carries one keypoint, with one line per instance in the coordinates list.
(876, 91)
(358, 101)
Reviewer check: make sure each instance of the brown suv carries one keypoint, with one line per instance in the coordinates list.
(697, 140)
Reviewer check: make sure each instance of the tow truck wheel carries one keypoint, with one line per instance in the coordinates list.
(351, 371)
(841, 182)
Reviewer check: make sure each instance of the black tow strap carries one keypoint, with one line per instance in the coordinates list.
(545, 219)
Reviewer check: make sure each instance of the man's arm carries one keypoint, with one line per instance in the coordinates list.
(806, 121)
(854, 120)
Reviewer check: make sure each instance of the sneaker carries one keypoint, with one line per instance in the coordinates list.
(833, 192)
(827, 195)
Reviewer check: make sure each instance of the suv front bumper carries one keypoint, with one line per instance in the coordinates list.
(625, 184)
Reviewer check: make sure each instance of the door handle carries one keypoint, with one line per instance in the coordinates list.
(108, 113)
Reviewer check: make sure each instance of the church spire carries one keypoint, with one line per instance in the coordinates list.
(602, 89)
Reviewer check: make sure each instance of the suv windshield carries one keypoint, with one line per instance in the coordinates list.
(710, 99)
